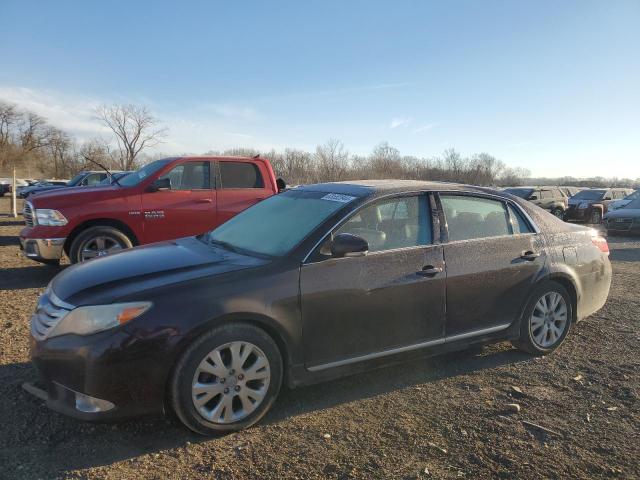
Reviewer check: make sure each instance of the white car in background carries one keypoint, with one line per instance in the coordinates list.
(618, 204)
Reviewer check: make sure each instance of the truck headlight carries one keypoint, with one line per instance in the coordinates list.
(50, 218)
(96, 318)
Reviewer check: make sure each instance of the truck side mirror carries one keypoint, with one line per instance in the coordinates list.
(160, 184)
(281, 184)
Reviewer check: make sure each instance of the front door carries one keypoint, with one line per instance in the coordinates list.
(492, 257)
(188, 208)
(386, 300)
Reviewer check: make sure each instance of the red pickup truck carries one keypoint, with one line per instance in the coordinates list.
(166, 199)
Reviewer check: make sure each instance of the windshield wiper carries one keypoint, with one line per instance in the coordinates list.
(225, 245)
(113, 179)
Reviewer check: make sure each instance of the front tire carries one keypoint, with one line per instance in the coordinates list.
(558, 213)
(546, 319)
(226, 380)
(98, 242)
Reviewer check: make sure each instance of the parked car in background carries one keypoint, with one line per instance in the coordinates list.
(625, 219)
(617, 204)
(114, 178)
(82, 179)
(4, 188)
(570, 191)
(317, 282)
(591, 205)
(551, 199)
(166, 199)
(41, 186)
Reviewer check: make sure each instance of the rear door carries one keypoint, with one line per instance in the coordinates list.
(492, 255)
(188, 208)
(239, 184)
(361, 306)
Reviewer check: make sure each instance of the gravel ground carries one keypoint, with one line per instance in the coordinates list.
(445, 417)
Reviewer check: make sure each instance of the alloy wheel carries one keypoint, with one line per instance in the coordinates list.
(230, 382)
(549, 319)
(99, 246)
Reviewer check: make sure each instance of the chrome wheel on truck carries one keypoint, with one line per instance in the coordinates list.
(97, 242)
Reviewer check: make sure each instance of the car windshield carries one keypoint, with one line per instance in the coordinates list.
(136, 177)
(519, 192)
(276, 225)
(633, 196)
(75, 180)
(589, 195)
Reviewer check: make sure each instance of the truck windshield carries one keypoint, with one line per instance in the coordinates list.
(519, 192)
(589, 194)
(276, 225)
(135, 178)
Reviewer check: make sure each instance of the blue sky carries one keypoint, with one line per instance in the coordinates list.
(550, 86)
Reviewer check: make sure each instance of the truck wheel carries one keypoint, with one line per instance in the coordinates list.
(97, 242)
(596, 217)
(226, 380)
(558, 212)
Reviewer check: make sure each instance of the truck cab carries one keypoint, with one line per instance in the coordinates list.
(166, 199)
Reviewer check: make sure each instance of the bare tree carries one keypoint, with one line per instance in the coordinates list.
(135, 129)
(331, 158)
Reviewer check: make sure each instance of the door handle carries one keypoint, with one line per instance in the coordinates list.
(203, 200)
(529, 256)
(429, 271)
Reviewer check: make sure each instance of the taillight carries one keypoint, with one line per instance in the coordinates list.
(601, 243)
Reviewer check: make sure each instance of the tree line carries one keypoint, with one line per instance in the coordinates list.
(37, 149)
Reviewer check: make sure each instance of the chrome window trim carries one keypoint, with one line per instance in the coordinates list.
(408, 348)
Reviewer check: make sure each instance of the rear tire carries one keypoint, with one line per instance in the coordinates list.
(546, 319)
(226, 380)
(87, 244)
(558, 213)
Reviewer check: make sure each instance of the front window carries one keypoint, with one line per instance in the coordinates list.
(136, 177)
(75, 180)
(390, 224)
(190, 176)
(276, 225)
(589, 195)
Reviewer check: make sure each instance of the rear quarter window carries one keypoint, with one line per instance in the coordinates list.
(240, 175)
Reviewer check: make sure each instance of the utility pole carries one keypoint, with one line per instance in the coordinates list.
(14, 203)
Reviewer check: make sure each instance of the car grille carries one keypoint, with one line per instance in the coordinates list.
(49, 312)
(619, 223)
(27, 213)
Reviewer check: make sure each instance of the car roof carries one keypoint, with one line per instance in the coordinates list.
(363, 188)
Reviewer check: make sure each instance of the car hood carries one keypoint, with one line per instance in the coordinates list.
(125, 274)
(63, 196)
(624, 213)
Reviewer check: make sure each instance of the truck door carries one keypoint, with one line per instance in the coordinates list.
(187, 208)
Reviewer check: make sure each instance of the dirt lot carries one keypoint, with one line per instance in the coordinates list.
(446, 417)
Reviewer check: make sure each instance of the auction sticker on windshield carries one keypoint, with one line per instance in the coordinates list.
(337, 197)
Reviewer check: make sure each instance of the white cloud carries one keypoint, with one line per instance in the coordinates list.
(196, 130)
(400, 122)
(425, 128)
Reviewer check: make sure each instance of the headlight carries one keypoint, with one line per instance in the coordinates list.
(96, 318)
(50, 218)
(583, 205)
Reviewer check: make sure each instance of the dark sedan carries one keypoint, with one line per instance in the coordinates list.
(314, 283)
(624, 220)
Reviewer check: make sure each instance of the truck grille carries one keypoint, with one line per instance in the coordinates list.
(27, 213)
(49, 312)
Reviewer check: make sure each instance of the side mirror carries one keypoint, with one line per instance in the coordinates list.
(349, 245)
(281, 184)
(608, 198)
(160, 184)
(533, 197)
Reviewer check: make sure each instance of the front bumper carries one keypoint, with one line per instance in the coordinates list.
(622, 225)
(42, 248)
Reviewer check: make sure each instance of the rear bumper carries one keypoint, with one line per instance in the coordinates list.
(42, 248)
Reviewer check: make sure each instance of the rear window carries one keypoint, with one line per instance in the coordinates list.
(474, 217)
(240, 175)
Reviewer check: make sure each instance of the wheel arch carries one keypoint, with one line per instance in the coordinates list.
(569, 285)
(100, 222)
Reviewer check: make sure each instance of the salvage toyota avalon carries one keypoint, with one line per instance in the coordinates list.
(317, 282)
